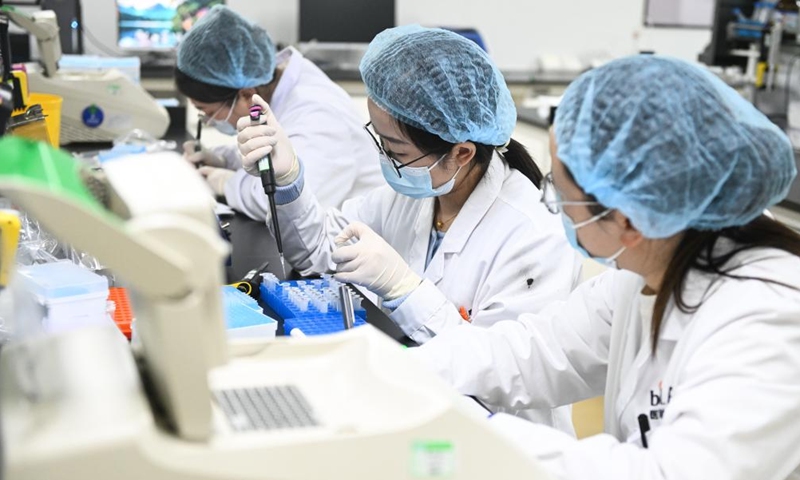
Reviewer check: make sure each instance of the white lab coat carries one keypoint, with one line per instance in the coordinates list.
(502, 237)
(326, 131)
(728, 385)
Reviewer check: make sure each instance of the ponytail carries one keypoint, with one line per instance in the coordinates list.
(519, 159)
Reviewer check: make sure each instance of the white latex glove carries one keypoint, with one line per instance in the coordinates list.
(372, 263)
(217, 178)
(257, 141)
(203, 157)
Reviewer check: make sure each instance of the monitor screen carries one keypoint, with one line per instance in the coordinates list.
(345, 21)
(157, 24)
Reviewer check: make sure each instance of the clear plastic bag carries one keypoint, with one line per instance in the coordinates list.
(36, 246)
(151, 144)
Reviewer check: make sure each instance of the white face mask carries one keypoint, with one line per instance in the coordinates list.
(416, 182)
(572, 236)
(223, 126)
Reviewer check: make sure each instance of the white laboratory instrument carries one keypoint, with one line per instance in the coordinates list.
(76, 406)
(98, 106)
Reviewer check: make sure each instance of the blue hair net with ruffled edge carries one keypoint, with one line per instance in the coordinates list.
(671, 146)
(439, 82)
(226, 50)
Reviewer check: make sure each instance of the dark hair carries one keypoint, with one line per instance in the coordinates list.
(517, 156)
(201, 91)
(695, 251)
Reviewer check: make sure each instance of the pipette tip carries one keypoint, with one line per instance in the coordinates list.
(283, 266)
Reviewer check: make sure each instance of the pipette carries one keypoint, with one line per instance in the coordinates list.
(197, 146)
(268, 182)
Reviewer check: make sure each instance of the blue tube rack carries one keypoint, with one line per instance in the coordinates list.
(313, 321)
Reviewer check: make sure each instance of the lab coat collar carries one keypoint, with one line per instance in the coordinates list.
(473, 211)
(289, 78)
(476, 207)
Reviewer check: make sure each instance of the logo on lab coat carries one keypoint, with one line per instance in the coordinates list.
(92, 116)
(659, 398)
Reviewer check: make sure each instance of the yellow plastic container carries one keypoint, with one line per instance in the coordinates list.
(23, 82)
(51, 107)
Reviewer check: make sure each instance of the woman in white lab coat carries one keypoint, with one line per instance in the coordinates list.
(661, 169)
(458, 236)
(223, 61)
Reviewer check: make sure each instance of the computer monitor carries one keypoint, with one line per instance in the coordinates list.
(152, 25)
(344, 21)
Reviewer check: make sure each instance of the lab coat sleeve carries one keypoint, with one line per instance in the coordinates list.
(543, 257)
(229, 153)
(544, 360)
(243, 192)
(734, 414)
(308, 230)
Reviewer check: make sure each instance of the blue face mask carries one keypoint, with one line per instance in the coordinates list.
(572, 236)
(223, 126)
(416, 182)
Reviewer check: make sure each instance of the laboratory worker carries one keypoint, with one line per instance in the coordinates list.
(664, 172)
(222, 62)
(458, 236)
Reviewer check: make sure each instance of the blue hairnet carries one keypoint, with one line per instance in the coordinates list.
(226, 50)
(439, 82)
(671, 146)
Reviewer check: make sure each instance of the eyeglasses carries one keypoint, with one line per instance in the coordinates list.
(395, 163)
(552, 199)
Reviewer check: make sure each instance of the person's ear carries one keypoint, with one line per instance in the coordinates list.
(463, 153)
(631, 237)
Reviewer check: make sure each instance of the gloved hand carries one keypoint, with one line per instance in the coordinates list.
(217, 178)
(203, 157)
(256, 141)
(372, 263)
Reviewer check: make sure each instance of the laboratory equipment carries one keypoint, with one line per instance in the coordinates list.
(760, 38)
(268, 182)
(251, 282)
(31, 123)
(197, 146)
(99, 106)
(312, 306)
(147, 25)
(244, 318)
(9, 239)
(353, 405)
(70, 25)
(122, 312)
(71, 296)
(130, 66)
(6, 107)
(751, 35)
(346, 305)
